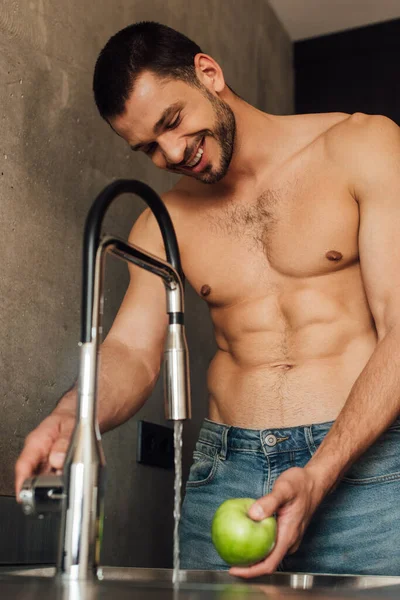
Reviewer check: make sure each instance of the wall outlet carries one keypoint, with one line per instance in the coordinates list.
(155, 445)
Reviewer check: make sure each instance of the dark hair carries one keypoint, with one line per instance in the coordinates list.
(139, 47)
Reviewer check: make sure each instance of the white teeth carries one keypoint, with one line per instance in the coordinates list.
(196, 159)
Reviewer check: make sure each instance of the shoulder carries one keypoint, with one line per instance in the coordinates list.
(366, 147)
(146, 232)
(363, 133)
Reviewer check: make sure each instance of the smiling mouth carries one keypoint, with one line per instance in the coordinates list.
(193, 163)
(196, 158)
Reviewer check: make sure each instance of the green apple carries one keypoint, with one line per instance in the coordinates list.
(237, 538)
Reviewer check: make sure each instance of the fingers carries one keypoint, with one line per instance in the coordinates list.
(33, 455)
(268, 505)
(59, 449)
(285, 538)
(294, 548)
(58, 453)
(45, 449)
(289, 500)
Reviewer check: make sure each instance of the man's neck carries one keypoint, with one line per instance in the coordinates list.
(255, 140)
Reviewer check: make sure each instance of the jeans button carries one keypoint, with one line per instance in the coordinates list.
(270, 440)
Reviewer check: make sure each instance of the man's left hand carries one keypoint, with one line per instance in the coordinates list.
(294, 499)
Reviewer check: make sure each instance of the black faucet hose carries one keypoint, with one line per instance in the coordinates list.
(92, 234)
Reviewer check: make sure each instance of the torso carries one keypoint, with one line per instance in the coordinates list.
(278, 266)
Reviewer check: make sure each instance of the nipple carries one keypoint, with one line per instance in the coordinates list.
(334, 255)
(205, 290)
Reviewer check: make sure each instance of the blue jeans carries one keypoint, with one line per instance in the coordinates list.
(355, 530)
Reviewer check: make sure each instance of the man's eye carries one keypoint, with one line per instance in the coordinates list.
(174, 123)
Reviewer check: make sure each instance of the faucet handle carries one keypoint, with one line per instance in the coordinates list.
(42, 494)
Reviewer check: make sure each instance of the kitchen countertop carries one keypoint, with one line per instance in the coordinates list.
(150, 584)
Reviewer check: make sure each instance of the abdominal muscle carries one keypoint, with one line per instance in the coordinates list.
(284, 377)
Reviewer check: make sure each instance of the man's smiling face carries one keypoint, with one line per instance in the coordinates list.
(182, 128)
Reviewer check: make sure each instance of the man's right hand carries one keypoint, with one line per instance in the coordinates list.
(45, 447)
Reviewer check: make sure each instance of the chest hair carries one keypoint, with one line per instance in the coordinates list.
(254, 221)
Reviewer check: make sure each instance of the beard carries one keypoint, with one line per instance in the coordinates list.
(224, 134)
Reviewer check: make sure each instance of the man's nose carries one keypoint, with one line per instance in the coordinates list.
(173, 150)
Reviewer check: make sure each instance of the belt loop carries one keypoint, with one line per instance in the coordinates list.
(224, 444)
(309, 439)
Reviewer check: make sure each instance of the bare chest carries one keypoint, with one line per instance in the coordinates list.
(299, 230)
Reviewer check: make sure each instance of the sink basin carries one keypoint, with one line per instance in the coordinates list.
(118, 583)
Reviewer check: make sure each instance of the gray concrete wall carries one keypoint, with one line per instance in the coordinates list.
(55, 155)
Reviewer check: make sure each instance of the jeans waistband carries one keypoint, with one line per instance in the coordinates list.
(272, 440)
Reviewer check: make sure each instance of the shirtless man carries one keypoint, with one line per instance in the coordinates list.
(288, 228)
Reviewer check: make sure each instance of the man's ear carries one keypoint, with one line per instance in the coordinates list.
(209, 73)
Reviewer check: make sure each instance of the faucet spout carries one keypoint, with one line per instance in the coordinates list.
(176, 362)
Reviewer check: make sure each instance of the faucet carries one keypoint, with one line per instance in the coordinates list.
(79, 492)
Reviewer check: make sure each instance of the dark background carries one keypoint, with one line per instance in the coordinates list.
(351, 71)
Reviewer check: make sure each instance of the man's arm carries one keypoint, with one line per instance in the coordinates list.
(370, 150)
(374, 401)
(130, 359)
